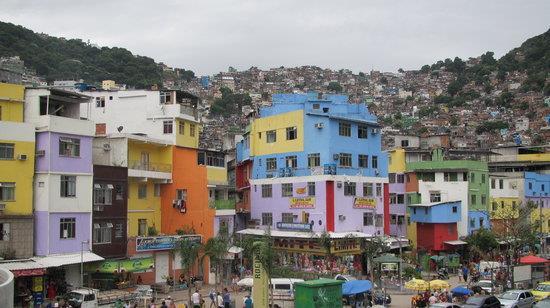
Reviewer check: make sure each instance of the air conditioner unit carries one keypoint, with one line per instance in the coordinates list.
(341, 217)
(319, 125)
(22, 157)
(40, 153)
(98, 208)
(376, 131)
(106, 147)
(376, 172)
(2, 208)
(339, 184)
(335, 156)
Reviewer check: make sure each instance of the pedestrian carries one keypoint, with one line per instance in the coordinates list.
(248, 301)
(234, 282)
(163, 305)
(433, 299)
(169, 301)
(465, 273)
(153, 305)
(196, 299)
(226, 298)
(219, 299)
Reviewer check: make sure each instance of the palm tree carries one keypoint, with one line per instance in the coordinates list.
(189, 253)
(215, 249)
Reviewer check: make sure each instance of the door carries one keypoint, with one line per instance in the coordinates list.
(145, 160)
(161, 266)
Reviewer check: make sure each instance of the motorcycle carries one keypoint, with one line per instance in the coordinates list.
(442, 274)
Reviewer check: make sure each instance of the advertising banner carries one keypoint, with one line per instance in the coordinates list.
(302, 203)
(260, 291)
(364, 203)
(153, 243)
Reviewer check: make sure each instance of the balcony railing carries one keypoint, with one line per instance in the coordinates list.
(227, 204)
(328, 169)
(157, 167)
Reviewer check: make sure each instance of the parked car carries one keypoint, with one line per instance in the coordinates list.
(545, 303)
(482, 301)
(344, 277)
(444, 305)
(83, 298)
(542, 291)
(517, 299)
(486, 285)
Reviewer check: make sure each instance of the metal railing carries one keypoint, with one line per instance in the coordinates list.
(158, 167)
(222, 204)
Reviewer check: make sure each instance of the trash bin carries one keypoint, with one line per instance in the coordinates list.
(320, 293)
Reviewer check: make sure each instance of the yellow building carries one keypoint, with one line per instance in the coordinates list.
(17, 154)
(269, 134)
(187, 133)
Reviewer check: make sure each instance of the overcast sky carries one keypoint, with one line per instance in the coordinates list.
(209, 36)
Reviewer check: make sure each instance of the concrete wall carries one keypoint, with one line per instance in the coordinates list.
(53, 162)
(47, 194)
(48, 241)
(6, 288)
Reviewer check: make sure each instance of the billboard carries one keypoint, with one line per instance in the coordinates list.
(364, 203)
(302, 203)
(153, 243)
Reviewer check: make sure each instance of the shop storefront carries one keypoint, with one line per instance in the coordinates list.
(118, 274)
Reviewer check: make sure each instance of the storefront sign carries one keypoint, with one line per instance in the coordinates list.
(301, 190)
(302, 203)
(260, 290)
(162, 242)
(293, 226)
(29, 272)
(364, 203)
(38, 284)
(137, 265)
(103, 267)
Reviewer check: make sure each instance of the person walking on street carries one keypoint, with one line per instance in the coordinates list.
(220, 300)
(226, 298)
(248, 301)
(196, 299)
(465, 272)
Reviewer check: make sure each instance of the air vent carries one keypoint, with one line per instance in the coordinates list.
(40, 153)
(22, 157)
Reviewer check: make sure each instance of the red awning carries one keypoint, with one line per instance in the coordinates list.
(29, 272)
(532, 260)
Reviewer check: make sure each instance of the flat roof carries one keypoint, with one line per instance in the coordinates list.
(308, 235)
(432, 203)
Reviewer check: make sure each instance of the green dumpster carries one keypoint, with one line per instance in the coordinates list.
(320, 293)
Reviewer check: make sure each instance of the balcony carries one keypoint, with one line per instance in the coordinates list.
(327, 169)
(65, 125)
(242, 207)
(139, 169)
(174, 111)
(223, 206)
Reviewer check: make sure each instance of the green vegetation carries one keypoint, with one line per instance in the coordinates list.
(60, 58)
(230, 103)
(482, 243)
(490, 126)
(334, 86)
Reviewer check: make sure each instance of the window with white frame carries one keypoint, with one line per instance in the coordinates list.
(311, 189)
(6, 150)
(192, 130)
(4, 231)
(181, 127)
(100, 101)
(167, 127)
(67, 228)
(363, 161)
(267, 191)
(292, 161)
(313, 160)
(68, 186)
(378, 189)
(291, 133)
(271, 136)
(271, 164)
(103, 194)
(367, 190)
(267, 219)
(7, 191)
(102, 233)
(69, 147)
(345, 159)
(286, 189)
(142, 227)
(349, 189)
(368, 219)
(435, 196)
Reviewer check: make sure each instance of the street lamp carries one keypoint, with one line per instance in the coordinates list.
(82, 261)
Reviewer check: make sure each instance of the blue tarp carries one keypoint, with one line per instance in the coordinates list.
(461, 291)
(356, 286)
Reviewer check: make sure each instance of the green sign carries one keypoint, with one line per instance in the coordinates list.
(117, 266)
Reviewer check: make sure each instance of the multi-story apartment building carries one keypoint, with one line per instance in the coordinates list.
(396, 177)
(314, 163)
(16, 175)
(63, 178)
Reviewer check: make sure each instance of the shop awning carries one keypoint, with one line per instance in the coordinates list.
(67, 259)
(235, 249)
(21, 268)
(455, 243)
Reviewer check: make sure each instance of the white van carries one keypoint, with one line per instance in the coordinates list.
(283, 292)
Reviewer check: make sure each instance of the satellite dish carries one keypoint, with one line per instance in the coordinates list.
(120, 128)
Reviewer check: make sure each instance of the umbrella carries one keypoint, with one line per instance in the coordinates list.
(439, 284)
(417, 285)
(246, 282)
(461, 291)
(532, 260)
(356, 286)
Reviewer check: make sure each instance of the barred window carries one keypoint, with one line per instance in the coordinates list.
(167, 127)
(7, 191)
(67, 227)
(69, 147)
(344, 129)
(103, 194)
(287, 217)
(362, 132)
(6, 150)
(68, 186)
(349, 189)
(291, 133)
(345, 160)
(102, 233)
(271, 136)
(271, 164)
(364, 161)
(313, 160)
(286, 189)
(267, 191)
(367, 190)
(267, 219)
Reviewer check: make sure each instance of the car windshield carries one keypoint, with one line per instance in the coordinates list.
(73, 296)
(510, 295)
(484, 284)
(475, 300)
(543, 288)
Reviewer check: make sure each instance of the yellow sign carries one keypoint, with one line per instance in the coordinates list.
(260, 291)
(38, 284)
(302, 203)
(301, 190)
(364, 203)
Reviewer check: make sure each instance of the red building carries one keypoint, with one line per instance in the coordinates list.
(432, 236)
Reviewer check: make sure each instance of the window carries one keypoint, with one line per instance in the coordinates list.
(119, 231)
(313, 160)
(344, 129)
(291, 133)
(481, 221)
(142, 227)
(400, 199)
(69, 147)
(400, 220)
(408, 221)
(103, 194)
(6, 150)
(142, 191)
(378, 189)
(501, 204)
(455, 209)
(501, 183)
(167, 127)
(493, 183)
(472, 177)
(450, 176)
(404, 143)
(287, 217)
(68, 186)
(368, 219)
(378, 221)
(292, 161)
(0, 112)
(514, 205)
(374, 162)
(473, 199)
(483, 178)
(345, 160)
(102, 233)
(181, 128)
(67, 227)
(400, 178)
(435, 196)
(364, 161)
(362, 132)
(7, 191)
(311, 189)
(391, 177)
(393, 198)
(427, 176)
(192, 128)
(494, 205)
(271, 164)
(271, 136)
(181, 194)
(119, 192)
(267, 191)
(286, 189)
(316, 106)
(349, 189)
(156, 190)
(483, 199)
(530, 185)
(100, 101)
(267, 219)
(4, 231)
(393, 219)
(367, 190)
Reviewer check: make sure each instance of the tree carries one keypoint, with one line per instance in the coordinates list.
(334, 87)
(372, 247)
(230, 103)
(189, 253)
(215, 249)
(425, 69)
(482, 242)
